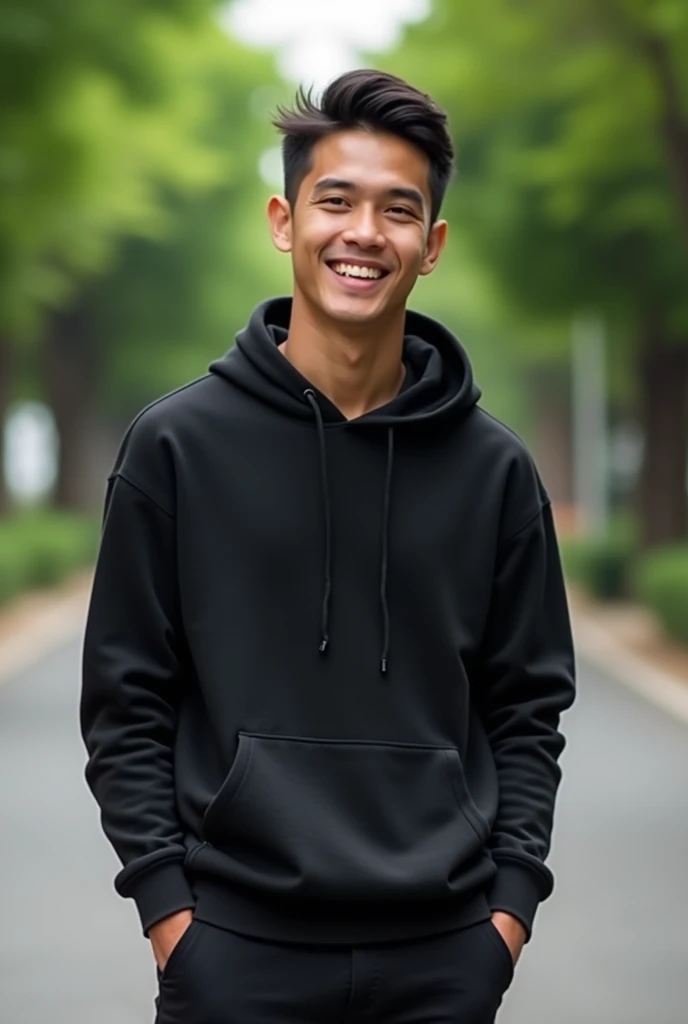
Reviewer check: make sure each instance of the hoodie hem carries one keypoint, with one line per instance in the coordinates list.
(518, 889)
(160, 891)
(291, 920)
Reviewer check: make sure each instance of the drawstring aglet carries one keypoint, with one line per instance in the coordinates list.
(383, 666)
(324, 643)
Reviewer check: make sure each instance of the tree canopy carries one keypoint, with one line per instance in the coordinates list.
(97, 116)
(571, 129)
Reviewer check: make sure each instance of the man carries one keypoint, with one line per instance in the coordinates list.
(328, 644)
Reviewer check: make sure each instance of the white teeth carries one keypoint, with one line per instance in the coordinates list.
(351, 270)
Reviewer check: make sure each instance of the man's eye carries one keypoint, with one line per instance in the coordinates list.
(401, 210)
(335, 200)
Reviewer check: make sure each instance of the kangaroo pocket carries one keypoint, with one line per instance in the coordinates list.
(333, 819)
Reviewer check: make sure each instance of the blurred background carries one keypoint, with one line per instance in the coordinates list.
(136, 159)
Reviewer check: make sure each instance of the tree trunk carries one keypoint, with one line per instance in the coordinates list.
(662, 499)
(70, 366)
(673, 124)
(5, 396)
(549, 395)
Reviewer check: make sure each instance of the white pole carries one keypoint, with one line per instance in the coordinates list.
(590, 442)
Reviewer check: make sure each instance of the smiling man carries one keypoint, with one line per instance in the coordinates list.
(328, 645)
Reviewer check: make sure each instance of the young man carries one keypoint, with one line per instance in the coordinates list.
(328, 643)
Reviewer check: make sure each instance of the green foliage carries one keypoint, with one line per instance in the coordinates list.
(661, 582)
(170, 305)
(129, 185)
(602, 565)
(98, 115)
(564, 190)
(40, 548)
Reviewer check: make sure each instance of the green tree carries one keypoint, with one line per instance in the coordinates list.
(168, 305)
(95, 121)
(172, 305)
(570, 185)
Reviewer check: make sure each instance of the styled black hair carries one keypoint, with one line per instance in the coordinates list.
(372, 100)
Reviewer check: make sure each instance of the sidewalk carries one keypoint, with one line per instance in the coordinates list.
(625, 642)
(621, 640)
(39, 622)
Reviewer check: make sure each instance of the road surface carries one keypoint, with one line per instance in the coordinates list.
(610, 947)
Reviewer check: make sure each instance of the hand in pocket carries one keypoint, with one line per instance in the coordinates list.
(166, 934)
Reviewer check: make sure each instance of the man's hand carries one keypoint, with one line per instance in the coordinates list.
(512, 931)
(165, 935)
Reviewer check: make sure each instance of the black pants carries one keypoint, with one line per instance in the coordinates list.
(217, 977)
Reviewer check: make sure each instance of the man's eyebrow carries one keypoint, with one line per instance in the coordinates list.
(412, 194)
(340, 183)
(399, 192)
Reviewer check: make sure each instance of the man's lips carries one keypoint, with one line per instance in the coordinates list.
(357, 284)
(356, 261)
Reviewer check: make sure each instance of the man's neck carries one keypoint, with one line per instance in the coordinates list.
(359, 369)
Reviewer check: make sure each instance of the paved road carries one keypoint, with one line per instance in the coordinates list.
(611, 947)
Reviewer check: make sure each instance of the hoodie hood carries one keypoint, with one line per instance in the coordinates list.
(439, 385)
(441, 380)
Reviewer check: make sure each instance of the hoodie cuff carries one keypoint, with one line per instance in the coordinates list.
(517, 890)
(161, 892)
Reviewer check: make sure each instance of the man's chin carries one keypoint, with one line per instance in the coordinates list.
(358, 311)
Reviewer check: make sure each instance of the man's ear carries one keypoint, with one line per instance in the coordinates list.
(279, 217)
(433, 247)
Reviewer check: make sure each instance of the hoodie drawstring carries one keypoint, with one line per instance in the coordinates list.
(309, 395)
(385, 552)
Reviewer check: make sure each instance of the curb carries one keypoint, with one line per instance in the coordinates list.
(41, 622)
(604, 652)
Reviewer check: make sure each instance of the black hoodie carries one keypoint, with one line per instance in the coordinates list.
(325, 660)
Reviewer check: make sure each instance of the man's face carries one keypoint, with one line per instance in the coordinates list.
(360, 232)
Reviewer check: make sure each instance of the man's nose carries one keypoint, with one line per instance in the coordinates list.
(364, 229)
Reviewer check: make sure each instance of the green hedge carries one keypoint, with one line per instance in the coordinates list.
(661, 582)
(602, 565)
(40, 548)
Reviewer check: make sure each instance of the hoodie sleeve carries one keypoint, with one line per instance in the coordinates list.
(527, 666)
(133, 673)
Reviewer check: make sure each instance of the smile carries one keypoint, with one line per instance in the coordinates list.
(354, 270)
(357, 278)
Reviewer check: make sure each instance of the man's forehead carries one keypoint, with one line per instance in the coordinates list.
(371, 161)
